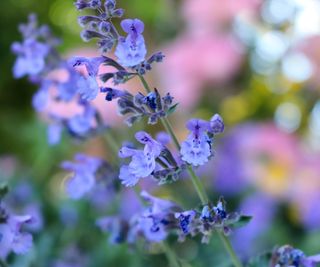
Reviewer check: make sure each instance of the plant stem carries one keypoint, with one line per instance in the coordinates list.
(171, 256)
(145, 84)
(195, 181)
(228, 247)
(112, 144)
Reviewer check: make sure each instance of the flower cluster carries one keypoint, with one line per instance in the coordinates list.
(154, 160)
(38, 58)
(162, 217)
(151, 106)
(286, 256)
(197, 148)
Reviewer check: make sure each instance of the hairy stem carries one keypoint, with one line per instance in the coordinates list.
(197, 184)
(228, 247)
(171, 256)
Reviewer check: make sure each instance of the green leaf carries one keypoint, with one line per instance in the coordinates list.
(243, 220)
(172, 109)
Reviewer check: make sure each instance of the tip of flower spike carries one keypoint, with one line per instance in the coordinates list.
(216, 124)
(132, 26)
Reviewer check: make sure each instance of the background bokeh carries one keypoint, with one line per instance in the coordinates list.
(255, 62)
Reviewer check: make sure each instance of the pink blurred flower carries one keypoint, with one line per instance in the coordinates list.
(191, 61)
(207, 14)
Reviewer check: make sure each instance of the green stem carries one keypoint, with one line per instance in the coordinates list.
(196, 182)
(145, 84)
(228, 247)
(112, 144)
(171, 256)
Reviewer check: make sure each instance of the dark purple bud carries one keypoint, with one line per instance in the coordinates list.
(104, 27)
(84, 20)
(168, 99)
(118, 13)
(88, 35)
(82, 4)
(153, 119)
(139, 100)
(110, 5)
(95, 3)
(106, 44)
(157, 57)
(216, 124)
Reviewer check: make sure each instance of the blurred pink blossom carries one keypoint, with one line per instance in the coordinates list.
(191, 61)
(207, 14)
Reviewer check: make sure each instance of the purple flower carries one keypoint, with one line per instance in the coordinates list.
(196, 150)
(163, 138)
(311, 261)
(88, 88)
(143, 162)
(185, 219)
(92, 64)
(41, 98)
(81, 124)
(54, 132)
(83, 177)
(12, 238)
(31, 57)
(131, 50)
(68, 89)
(155, 221)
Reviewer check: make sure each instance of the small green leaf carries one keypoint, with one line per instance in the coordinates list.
(243, 220)
(172, 109)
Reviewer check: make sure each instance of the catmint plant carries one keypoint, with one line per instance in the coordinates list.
(162, 158)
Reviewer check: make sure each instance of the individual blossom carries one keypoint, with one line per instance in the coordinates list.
(31, 57)
(131, 50)
(88, 86)
(143, 162)
(83, 178)
(286, 256)
(13, 239)
(197, 149)
(81, 124)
